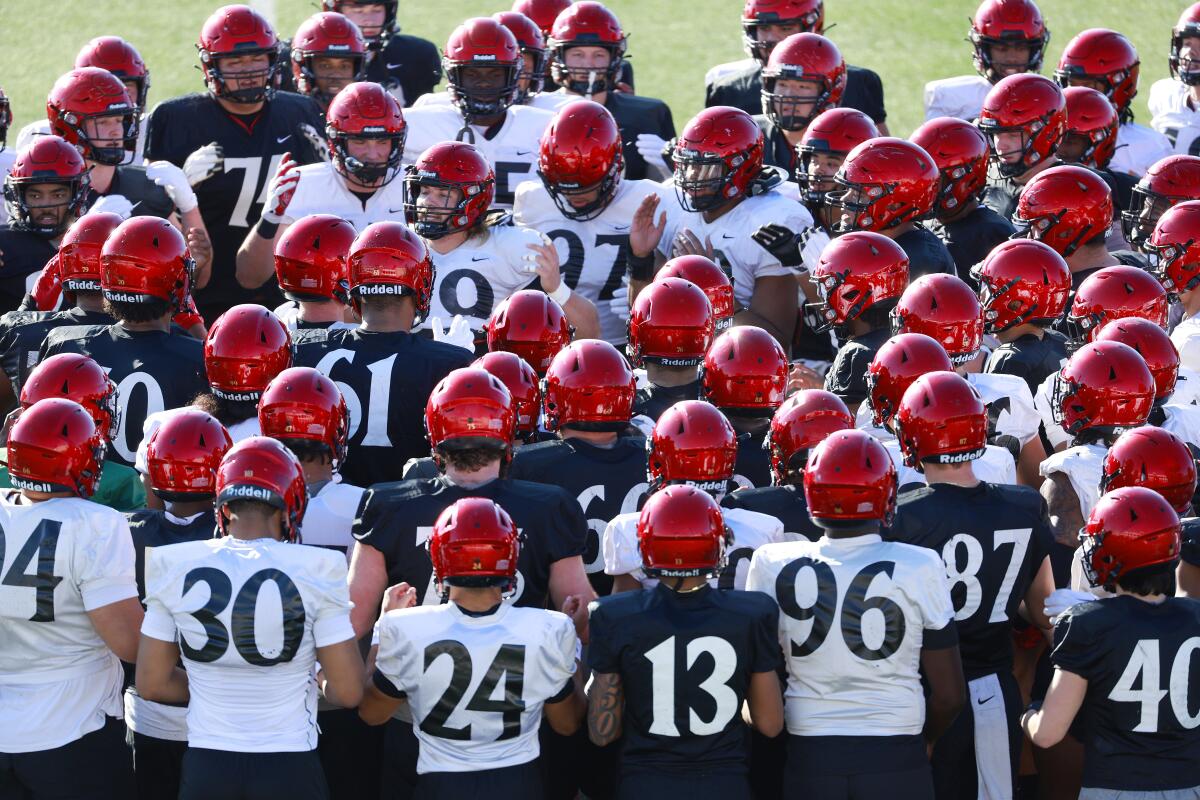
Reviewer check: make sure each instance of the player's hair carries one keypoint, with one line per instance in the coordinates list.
(250, 508)
(308, 451)
(149, 311)
(469, 459)
(479, 581)
(1151, 580)
(227, 412)
(382, 301)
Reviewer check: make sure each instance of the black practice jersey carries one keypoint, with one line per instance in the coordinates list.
(970, 238)
(786, 503)
(1030, 358)
(847, 377)
(24, 254)
(1121, 185)
(926, 253)
(685, 662)
(1190, 551)
(147, 197)
(232, 200)
(777, 152)
(743, 89)
(654, 400)
(605, 481)
(412, 63)
(22, 334)
(993, 539)
(1140, 715)
(386, 379)
(397, 519)
(753, 465)
(635, 115)
(154, 528)
(1001, 194)
(153, 370)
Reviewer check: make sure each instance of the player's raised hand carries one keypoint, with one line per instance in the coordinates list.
(644, 232)
(399, 596)
(688, 244)
(174, 182)
(543, 260)
(204, 163)
(280, 191)
(459, 334)
(780, 242)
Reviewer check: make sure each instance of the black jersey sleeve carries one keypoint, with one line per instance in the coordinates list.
(604, 649)
(864, 91)
(1075, 643)
(1190, 552)
(569, 528)
(766, 655)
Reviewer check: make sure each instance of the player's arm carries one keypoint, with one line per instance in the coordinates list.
(1047, 725)
(764, 703)
(368, 581)
(773, 307)
(942, 668)
(605, 708)
(1188, 578)
(341, 673)
(158, 676)
(1030, 460)
(1035, 596)
(256, 256)
(199, 245)
(1065, 516)
(625, 583)
(580, 311)
(118, 625)
(645, 234)
(569, 579)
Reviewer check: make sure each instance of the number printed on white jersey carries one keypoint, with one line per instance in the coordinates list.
(322, 190)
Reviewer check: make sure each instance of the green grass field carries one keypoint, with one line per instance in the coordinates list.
(671, 44)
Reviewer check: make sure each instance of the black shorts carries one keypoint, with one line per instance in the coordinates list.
(225, 775)
(857, 768)
(522, 782)
(398, 767)
(983, 745)
(350, 752)
(157, 766)
(698, 785)
(97, 766)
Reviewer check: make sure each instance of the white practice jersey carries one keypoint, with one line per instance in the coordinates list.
(1183, 421)
(996, 465)
(288, 312)
(8, 157)
(41, 127)
(1186, 338)
(591, 253)
(512, 152)
(547, 101)
(329, 515)
(1041, 402)
(961, 96)
(855, 613)
(243, 429)
(249, 616)
(743, 259)
(1173, 115)
(472, 279)
(728, 68)
(1138, 148)
(1187, 388)
(750, 530)
(60, 559)
(453, 667)
(1185, 424)
(1083, 465)
(321, 190)
(1009, 405)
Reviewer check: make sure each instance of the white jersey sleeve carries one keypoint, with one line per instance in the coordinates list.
(750, 530)
(1138, 148)
(1183, 421)
(1009, 403)
(1083, 465)
(1171, 113)
(330, 515)
(1186, 338)
(1187, 388)
(961, 96)
(1041, 401)
(996, 466)
(905, 475)
(619, 544)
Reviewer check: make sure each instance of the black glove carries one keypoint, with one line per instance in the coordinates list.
(781, 243)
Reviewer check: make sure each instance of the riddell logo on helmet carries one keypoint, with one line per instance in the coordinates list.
(958, 458)
(373, 129)
(484, 57)
(235, 396)
(677, 362)
(247, 492)
(381, 288)
(33, 486)
(126, 297)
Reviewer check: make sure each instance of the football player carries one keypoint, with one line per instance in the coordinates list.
(693, 444)
(1091, 139)
(745, 375)
(823, 148)
(69, 621)
(182, 460)
(382, 369)
(1024, 118)
(1134, 742)
(584, 206)
(310, 267)
(1174, 394)
(869, 737)
(1008, 37)
(365, 132)
(804, 76)
(475, 548)
(1173, 180)
(145, 278)
(407, 66)
(643, 647)
(995, 541)
(969, 229)
(7, 154)
(328, 53)
(670, 329)
(712, 280)
(1176, 250)
(1170, 103)
(530, 324)
(232, 139)
(234, 694)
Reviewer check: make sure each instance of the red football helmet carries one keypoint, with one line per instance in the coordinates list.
(803, 421)
(301, 403)
(1105, 386)
(855, 272)
(1065, 207)
(850, 479)
(474, 543)
(1153, 344)
(365, 111)
(522, 384)
(310, 258)
(54, 446)
(960, 152)
(711, 279)
(326, 34)
(1020, 281)
(803, 57)
(886, 182)
(588, 386)
(76, 377)
(533, 47)
(807, 15)
(1185, 68)
(681, 533)
(1156, 459)
(942, 419)
(1175, 246)
(482, 42)
(387, 258)
(246, 348)
(114, 54)
(1171, 180)
(1129, 529)
(469, 183)
(262, 469)
(944, 308)
(897, 363)
(586, 24)
(1031, 107)
(745, 371)
(376, 39)
(79, 253)
(530, 324)
(1092, 122)
(691, 442)
(184, 453)
(671, 323)
(1007, 22)
(471, 407)
(833, 133)
(1098, 58)
(715, 157)
(1115, 293)
(232, 32)
(146, 259)
(580, 152)
(47, 159)
(541, 12)
(87, 95)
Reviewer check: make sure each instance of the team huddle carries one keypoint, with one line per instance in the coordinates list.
(369, 440)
